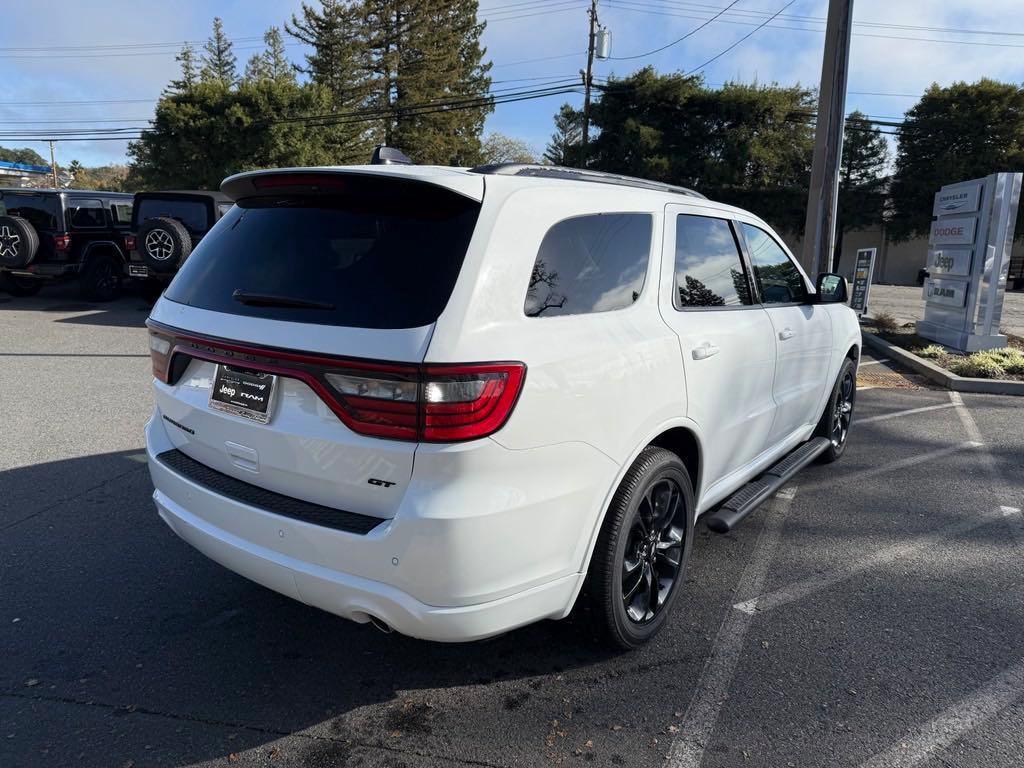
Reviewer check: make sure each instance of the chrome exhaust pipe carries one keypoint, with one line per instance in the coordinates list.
(382, 626)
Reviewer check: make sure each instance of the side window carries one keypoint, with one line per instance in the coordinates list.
(122, 213)
(709, 270)
(590, 264)
(86, 214)
(778, 279)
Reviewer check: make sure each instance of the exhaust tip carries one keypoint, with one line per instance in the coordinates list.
(381, 625)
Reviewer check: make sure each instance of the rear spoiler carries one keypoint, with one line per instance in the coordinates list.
(314, 181)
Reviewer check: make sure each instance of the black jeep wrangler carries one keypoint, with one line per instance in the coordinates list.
(51, 234)
(167, 226)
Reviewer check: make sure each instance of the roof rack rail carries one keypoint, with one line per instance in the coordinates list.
(580, 174)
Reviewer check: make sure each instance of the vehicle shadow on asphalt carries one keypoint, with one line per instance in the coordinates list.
(128, 311)
(133, 635)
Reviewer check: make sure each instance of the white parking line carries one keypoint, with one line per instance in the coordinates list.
(907, 412)
(801, 589)
(875, 362)
(963, 717)
(698, 724)
(894, 466)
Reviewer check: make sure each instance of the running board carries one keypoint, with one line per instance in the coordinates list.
(748, 498)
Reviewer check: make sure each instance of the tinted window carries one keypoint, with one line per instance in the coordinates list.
(86, 214)
(38, 210)
(777, 277)
(590, 264)
(709, 270)
(384, 256)
(192, 213)
(122, 213)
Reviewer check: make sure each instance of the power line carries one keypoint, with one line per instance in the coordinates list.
(674, 42)
(745, 37)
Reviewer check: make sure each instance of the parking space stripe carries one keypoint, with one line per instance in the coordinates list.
(894, 466)
(908, 412)
(801, 589)
(963, 717)
(875, 362)
(698, 724)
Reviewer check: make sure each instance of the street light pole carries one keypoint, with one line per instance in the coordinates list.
(822, 199)
(588, 77)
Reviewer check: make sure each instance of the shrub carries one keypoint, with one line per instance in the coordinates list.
(885, 322)
(982, 365)
(932, 351)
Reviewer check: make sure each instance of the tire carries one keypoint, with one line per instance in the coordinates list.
(100, 278)
(835, 422)
(164, 244)
(628, 537)
(19, 242)
(19, 286)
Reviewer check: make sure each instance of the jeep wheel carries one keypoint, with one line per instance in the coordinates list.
(836, 420)
(100, 278)
(164, 244)
(19, 286)
(639, 562)
(19, 242)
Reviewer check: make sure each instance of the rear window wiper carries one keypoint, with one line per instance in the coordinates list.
(273, 300)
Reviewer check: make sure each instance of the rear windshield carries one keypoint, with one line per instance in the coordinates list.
(386, 256)
(194, 214)
(40, 210)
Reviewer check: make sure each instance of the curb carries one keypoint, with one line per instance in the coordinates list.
(940, 375)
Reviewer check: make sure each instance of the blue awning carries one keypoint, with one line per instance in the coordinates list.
(25, 167)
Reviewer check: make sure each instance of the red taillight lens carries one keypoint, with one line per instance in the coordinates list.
(61, 242)
(160, 355)
(129, 242)
(465, 402)
(439, 403)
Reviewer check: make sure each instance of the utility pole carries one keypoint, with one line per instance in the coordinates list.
(589, 76)
(53, 164)
(820, 226)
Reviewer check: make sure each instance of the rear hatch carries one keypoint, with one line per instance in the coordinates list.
(288, 349)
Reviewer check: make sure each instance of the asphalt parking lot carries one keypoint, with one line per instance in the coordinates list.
(872, 614)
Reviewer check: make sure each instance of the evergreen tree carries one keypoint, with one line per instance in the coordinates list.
(218, 60)
(427, 76)
(271, 64)
(189, 73)
(565, 145)
(862, 182)
(337, 61)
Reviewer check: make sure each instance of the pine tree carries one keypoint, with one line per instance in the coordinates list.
(336, 62)
(427, 75)
(862, 182)
(564, 147)
(271, 64)
(218, 60)
(189, 74)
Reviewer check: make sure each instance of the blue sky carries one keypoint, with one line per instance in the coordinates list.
(787, 51)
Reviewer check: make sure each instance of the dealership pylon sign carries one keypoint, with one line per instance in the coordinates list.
(968, 259)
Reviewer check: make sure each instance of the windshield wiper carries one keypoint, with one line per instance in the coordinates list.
(272, 300)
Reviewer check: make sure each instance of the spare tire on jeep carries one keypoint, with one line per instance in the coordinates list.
(164, 243)
(19, 242)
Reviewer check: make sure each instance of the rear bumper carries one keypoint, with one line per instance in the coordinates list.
(433, 571)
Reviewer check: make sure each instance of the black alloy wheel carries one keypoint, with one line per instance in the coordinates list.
(654, 551)
(100, 279)
(639, 561)
(838, 416)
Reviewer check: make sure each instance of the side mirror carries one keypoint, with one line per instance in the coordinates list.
(832, 289)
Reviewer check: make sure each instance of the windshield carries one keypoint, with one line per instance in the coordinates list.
(382, 255)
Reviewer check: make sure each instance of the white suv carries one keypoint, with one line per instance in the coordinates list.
(453, 402)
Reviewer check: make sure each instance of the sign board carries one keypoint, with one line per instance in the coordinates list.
(949, 261)
(957, 198)
(946, 293)
(863, 268)
(971, 240)
(958, 231)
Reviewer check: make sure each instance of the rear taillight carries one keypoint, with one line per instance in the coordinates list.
(129, 242)
(428, 403)
(160, 355)
(433, 403)
(61, 242)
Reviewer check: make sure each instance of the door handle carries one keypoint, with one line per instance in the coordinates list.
(704, 351)
(786, 333)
